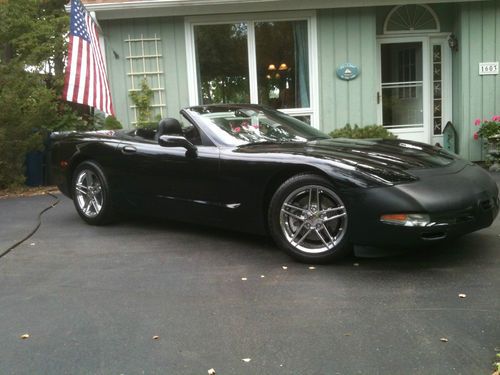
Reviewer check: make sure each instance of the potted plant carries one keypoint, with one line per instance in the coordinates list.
(489, 132)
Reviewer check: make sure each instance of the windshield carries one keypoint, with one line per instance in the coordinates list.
(236, 125)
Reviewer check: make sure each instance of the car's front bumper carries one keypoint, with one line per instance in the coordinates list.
(457, 203)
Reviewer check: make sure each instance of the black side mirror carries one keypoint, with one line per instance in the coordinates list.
(178, 141)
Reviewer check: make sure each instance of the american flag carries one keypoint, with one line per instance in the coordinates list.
(85, 80)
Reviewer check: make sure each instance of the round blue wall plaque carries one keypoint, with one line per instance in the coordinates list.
(347, 71)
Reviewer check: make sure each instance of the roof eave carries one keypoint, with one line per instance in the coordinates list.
(155, 8)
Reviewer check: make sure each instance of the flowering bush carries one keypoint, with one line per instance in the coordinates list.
(487, 128)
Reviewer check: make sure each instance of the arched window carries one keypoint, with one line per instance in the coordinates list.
(410, 19)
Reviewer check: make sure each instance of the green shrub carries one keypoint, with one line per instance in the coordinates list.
(357, 132)
(111, 123)
(32, 54)
(142, 101)
(26, 109)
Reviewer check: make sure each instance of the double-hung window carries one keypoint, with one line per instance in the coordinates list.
(261, 60)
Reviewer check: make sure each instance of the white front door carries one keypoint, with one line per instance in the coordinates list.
(405, 84)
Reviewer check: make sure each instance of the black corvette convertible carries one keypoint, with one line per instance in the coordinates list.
(254, 169)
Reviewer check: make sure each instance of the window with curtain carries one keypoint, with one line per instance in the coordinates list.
(282, 64)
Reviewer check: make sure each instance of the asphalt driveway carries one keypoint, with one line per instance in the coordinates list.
(92, 300)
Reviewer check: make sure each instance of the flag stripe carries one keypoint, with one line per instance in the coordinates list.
(83, 73)
(71, 74)
(78, 71)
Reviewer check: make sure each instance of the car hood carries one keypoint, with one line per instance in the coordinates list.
(387, 161)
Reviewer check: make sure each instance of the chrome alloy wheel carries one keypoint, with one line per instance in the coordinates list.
(313, 219)
(88, 192)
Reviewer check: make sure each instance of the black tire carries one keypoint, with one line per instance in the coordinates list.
(309, 220)
(91, 195)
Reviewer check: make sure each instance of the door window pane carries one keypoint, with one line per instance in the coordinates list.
(222, 63)
(402, 85)
(282, 64)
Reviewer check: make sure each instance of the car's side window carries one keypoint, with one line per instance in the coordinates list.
(145, 133)
(191, 132)
(148, 135)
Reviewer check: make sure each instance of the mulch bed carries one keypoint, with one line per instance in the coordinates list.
(25, 191)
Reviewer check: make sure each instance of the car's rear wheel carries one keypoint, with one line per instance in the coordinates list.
(309, 220)
(91, 194)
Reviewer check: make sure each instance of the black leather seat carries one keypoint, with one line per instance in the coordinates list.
(168, 126)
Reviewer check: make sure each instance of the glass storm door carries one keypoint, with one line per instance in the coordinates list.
(402, 101)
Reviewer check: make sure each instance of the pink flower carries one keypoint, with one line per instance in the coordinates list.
(495, 118)
(476, 136)
(477, 122)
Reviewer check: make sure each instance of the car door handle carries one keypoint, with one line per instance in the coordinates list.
(127, 150)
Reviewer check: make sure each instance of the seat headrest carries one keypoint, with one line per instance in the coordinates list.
(168, 126)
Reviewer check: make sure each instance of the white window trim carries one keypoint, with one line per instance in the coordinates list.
(250, 18)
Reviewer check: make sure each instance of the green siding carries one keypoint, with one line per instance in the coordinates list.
(347, 35)
(173, 62)
(475, 96)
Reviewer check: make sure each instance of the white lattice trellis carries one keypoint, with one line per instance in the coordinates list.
(144, 62)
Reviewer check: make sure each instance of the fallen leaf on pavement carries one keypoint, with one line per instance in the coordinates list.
(211, 372)
(156, 337)
(443, 339)
(284, 267)
(356, 264)
(312, 268)
(246, 359)
(462, 295)
(25, 336)
(244, 279)
(262, 276)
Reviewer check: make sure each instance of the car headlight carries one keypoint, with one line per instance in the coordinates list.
(406, 220)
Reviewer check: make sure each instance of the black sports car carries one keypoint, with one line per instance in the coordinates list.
(254, 169)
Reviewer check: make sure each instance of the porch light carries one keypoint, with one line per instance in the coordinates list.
(283, 66)
(271, 67)
(453, 42)
(406, 220)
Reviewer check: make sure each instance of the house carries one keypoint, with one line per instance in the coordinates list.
(412, 66)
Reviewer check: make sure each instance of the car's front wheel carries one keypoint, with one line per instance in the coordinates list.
(309, 220)
(91, 194)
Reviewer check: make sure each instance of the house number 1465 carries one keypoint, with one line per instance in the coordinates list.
(488, 68)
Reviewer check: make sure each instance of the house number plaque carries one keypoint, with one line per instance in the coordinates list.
(486, 68)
